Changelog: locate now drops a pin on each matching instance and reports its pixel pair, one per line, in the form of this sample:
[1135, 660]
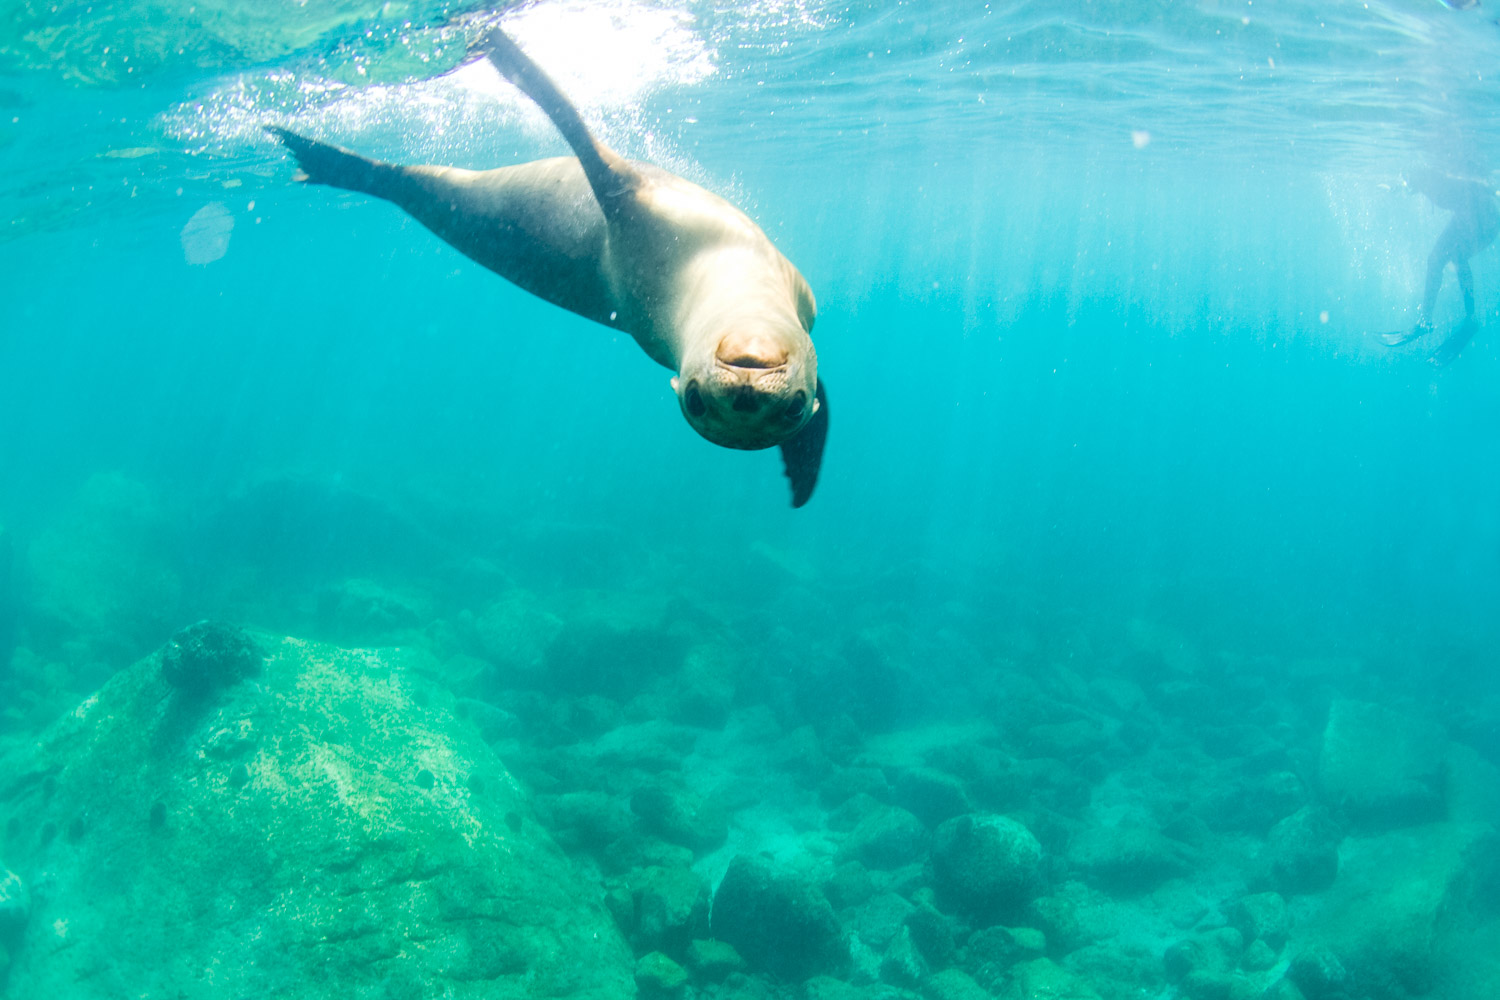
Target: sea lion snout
[751, 387]
[752, 350]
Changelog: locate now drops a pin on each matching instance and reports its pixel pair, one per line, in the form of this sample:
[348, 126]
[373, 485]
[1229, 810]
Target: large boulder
[1403, 917]
[778, 920]
[1384, 768]
[316, 833]
[985, 864]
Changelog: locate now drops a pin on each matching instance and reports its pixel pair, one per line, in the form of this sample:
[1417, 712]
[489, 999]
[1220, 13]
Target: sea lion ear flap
[803, 453]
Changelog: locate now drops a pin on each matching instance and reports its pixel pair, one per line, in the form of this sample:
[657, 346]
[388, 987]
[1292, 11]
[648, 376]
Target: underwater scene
[782, 500]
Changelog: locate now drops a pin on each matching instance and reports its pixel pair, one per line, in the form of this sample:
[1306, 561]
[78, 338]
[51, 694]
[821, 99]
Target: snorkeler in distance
[1474, 226]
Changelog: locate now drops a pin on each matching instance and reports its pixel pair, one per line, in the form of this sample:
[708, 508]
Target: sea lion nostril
[695, 404]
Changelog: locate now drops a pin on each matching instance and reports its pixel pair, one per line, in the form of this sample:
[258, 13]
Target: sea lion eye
[695, 404]
[799, 400]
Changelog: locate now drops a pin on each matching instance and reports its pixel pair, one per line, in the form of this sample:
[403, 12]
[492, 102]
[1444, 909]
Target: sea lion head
[754, 387]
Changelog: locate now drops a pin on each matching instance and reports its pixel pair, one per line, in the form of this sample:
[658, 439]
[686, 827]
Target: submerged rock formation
[312, 829]
[1385, 768]
[778, 920]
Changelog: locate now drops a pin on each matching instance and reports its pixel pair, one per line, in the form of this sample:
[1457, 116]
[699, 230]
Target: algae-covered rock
[1076, 915]
[658, 976]
[670, 908]
[953, 984]
[888, 837]
[929, 794]
[712, 960]
[829, 988]
[931, 931]
[680, 817]
[207, 657]
[360, 610]
[1261, 917]
[1217, 951]
[1384, 768]
[1396, 921]
[1043, 979]
[281, 841]
[902, 964]
[1258, 957]
[1121, 969]
[880, 919]
[990, 953]
[1128, 859]
[779, 921]
[1319, 974]
[986, 864]
[1302, 852]
[586, 820]
[15, 906]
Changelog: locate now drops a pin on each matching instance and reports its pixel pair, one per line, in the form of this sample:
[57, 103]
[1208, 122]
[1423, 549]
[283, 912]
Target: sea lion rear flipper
[1395, 338]
[609, 174]
[335, 167]
[803, 453]
[1456, 342]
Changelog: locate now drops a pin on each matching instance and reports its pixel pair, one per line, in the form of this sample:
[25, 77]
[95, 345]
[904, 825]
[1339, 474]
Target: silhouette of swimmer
[1473, 227]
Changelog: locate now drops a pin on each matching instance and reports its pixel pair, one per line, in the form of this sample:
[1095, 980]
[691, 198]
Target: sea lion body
[668, 269]
[698, 285]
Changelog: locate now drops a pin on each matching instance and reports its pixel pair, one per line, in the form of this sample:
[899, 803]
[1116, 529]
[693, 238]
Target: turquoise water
[1063, 365]
[1099, 286]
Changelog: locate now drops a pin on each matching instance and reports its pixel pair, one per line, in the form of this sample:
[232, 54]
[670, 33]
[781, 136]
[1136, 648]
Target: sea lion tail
[608, 173]
[335, 167]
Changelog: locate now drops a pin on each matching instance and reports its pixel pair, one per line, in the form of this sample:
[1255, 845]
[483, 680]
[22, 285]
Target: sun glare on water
[610, 54]
[606, 56]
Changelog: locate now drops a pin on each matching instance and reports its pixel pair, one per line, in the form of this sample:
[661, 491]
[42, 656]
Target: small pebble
[425, 778]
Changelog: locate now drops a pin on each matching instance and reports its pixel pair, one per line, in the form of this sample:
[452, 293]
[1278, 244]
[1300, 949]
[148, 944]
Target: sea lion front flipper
[1456, 342]
[609, 174]
[803, 453]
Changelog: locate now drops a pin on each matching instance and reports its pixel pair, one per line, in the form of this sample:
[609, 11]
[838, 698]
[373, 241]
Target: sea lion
[697, 284]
